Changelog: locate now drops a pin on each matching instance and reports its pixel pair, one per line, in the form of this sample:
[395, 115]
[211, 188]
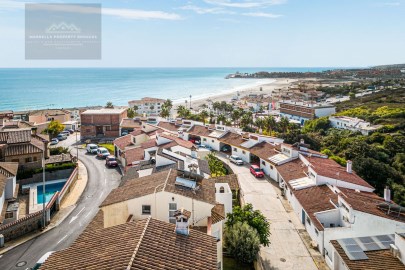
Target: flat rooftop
[105, 111]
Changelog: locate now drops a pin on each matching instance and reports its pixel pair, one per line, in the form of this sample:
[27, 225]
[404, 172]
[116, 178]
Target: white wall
[2, 198]
[400, 244]
[224, 198]
[212, 142]
[269, 169]
[239, 152]
[9, 188]
[320, 180]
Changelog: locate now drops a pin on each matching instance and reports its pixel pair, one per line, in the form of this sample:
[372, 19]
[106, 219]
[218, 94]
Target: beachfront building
[8, 191]
[353, 124]
[101, 123]
[302, 111]
[143, 244]
[72, 124]
[43, 116]
[147, 106]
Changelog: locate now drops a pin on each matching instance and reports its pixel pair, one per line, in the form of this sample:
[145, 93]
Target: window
[146, 210]
[35, 159]
[263, 163]
[308, 221]
[345, 207]
[205, 139]
[234, 149]
[28, 159]
[243, 152]
[9, 215]
[221, 190]
[133, 139]
[271, 167]
[332, 225]
[172, 209]
[212, 140]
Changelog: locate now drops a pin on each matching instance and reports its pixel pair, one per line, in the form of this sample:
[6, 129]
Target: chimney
[349, 166]
[387, 194]
[182, 217]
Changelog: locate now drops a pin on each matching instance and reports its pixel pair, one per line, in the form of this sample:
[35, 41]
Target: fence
[35, 221]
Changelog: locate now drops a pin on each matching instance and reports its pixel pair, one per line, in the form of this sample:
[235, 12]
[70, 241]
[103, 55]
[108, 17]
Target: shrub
[242, 242]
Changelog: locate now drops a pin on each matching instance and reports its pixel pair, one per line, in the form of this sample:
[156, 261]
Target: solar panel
[358, 256]
[353, 248]
[348, 241]
[185, 183]
[383, 238]
[366, 239]
[371, 247]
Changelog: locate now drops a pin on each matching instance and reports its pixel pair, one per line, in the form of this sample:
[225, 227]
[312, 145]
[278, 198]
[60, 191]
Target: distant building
[6, 115]
[42, 116]
[147, 106]
[353, 124]
[101, 123]
[302, 111]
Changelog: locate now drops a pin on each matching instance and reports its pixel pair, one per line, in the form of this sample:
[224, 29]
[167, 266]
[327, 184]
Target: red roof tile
[123, 141]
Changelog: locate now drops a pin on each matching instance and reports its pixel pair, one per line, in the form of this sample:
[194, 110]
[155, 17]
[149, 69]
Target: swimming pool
[50, 189]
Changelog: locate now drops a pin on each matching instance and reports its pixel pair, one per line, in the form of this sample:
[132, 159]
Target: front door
[99, 130]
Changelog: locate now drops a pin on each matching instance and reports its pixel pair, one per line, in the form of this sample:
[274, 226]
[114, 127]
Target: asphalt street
[101, 180]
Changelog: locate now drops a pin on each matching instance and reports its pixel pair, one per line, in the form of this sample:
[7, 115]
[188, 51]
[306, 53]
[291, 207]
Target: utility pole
[190, 102]
[43, 187]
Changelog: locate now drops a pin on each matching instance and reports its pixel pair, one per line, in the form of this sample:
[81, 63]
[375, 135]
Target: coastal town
[306, 172]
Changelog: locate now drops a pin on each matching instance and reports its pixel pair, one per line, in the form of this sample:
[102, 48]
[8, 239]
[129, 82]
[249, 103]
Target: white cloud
[263, 15]
[245, 3]
[133, 14]
[201, 10]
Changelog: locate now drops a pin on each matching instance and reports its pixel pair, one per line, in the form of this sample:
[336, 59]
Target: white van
[91, 148]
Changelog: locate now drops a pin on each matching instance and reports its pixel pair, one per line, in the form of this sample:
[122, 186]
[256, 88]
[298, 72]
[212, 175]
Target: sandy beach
[265, 89]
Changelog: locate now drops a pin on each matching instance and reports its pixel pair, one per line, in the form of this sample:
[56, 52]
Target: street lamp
[190, 102]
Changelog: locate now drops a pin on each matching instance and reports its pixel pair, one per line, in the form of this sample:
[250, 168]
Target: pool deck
[33, 198]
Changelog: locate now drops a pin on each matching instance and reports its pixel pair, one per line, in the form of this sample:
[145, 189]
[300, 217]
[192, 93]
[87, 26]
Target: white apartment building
[303, 111]
[353, 124]
[147, 106]
[8, 192]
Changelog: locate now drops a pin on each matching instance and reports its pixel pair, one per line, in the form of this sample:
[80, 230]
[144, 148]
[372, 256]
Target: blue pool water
[50, 189]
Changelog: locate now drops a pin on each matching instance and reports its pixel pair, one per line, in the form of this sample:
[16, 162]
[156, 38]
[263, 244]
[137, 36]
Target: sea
[23, 89]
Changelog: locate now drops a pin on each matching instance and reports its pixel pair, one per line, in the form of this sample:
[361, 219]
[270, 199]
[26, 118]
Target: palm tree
[165, 112]
[235, 115]
[259, 123]
[246, 120]
[167, 104]
[269, 124]
[130, 113]
[183, 112]
[109, 105]
[221, 118]
[203, 115]
[212, 116]
[283, 124]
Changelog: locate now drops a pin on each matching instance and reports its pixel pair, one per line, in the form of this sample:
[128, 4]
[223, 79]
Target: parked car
[102, 152]
[111, 161]
[205, 147]
[42, 260]
[124, 133]
[91, 148]
[54, 141]
[236, 160]
[226, 148]
[61, 137]
[71, 131]
[195, 141]
[256, 171]
[67, 133]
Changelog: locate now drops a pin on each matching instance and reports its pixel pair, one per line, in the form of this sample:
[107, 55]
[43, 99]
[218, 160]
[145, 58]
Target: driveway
[286, 251]
[101, 181]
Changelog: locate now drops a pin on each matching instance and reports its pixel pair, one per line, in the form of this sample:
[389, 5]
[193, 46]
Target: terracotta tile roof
[179, 141]
[292, 170]
[377, 260]
[316, 199]
[330, 168]
[233, 139]
[131, 123]
[148, 144]
[231, 180]
[144, 244]
[15, 136]
[203, 166]
[367, 202]
[217, 213]
[168, 126]
[137, 132]
[199, 131]
[7, 169]
[50, 112]
[263, 150]
[21, 149]
[165, 181]
[134, 154]
[123, 141]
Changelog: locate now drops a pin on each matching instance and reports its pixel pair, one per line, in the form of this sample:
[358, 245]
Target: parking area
[287, 250]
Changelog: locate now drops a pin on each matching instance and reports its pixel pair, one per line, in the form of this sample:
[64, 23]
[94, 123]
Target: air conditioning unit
[394, 250]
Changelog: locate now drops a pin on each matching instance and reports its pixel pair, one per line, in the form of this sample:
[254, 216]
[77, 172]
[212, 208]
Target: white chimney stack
[387, 194]
[182, 217]
[349, 166]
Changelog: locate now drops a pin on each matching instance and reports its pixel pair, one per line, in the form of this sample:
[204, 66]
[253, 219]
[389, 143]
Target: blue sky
[229, 33]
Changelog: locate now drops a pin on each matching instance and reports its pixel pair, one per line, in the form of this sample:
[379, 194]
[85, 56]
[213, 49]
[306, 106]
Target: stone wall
[22, 226]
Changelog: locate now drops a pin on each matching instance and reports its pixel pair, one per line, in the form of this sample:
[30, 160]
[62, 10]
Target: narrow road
[286, 250]
[101, 181]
